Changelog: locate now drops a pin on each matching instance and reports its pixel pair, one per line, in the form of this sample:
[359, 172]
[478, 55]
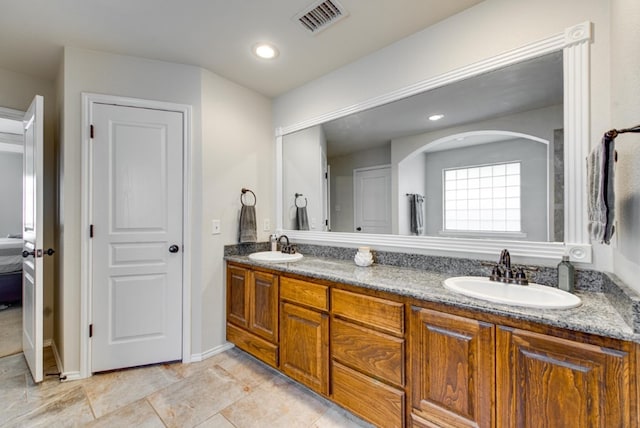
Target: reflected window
[483, 198]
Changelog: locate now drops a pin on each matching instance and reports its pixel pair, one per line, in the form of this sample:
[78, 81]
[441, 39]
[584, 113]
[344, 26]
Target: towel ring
[254, 197]
[296, 201]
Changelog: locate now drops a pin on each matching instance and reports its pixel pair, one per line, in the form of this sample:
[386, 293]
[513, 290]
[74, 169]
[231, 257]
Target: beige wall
[231, 147]
[304, 154]
[485, 30]
[237, 151]
[17, 92]
[625, 112]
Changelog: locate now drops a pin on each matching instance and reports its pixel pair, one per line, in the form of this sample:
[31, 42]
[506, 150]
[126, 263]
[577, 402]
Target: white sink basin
[531, 296]
[274, 257]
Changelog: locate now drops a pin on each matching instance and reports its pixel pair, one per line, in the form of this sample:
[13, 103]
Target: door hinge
[91, 131]
[326, 175]
[90, 330]
[326, 222]
[91, 231]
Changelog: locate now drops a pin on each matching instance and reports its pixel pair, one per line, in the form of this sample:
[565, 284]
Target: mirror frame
[575, 45]
[17, 115]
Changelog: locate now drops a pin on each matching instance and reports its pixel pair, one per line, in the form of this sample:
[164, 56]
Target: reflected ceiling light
[436, 117]
[265, 51]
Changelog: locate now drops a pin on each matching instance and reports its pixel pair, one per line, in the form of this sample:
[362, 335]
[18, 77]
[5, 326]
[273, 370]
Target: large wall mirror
[472, 161]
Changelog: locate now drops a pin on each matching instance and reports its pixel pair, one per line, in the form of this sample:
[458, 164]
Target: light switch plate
[215, 227]
[266, 225]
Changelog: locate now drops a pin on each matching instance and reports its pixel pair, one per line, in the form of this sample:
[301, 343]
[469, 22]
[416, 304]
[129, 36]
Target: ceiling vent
[321, 15]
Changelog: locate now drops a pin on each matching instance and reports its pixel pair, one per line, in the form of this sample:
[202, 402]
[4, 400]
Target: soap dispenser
[566, 275]
[273, 239]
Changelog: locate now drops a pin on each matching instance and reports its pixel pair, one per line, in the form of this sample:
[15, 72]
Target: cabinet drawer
[259, 348]
[372, 400]
[305, 293]
[379, 313]
[372, 352]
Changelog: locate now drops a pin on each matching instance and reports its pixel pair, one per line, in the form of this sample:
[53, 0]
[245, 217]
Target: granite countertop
[597, 314]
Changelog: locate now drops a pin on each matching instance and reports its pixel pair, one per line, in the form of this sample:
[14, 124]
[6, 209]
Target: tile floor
[10, 330]
[228, 390]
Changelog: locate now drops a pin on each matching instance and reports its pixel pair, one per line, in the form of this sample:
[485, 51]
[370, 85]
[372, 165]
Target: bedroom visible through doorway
[11, 159]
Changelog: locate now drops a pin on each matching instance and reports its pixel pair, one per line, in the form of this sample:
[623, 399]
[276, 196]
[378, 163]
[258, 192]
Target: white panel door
[136, 259]
[32, 234]
[372, 200]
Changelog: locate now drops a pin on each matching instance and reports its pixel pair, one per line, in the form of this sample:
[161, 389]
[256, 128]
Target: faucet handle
[496, 273]
[521, 277]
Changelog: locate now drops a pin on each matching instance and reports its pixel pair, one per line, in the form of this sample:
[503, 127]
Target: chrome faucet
[504, 273]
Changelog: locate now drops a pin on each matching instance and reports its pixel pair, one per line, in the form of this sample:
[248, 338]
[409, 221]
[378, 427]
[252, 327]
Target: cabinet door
[544, 381]
[304, 348]
[452, 364]
[237, 296]
[263, 314]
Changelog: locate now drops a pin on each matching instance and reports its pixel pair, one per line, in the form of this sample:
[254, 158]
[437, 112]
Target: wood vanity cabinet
[553, 382]
[252, 312]
[433, 366]
[468, 373]
[452, 365]
[304, 333]
[368, 357]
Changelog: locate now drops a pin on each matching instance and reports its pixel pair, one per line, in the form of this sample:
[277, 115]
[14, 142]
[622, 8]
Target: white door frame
[88, 100]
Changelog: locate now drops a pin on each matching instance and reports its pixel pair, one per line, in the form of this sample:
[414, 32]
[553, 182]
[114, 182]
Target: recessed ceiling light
[265, 51]
[436, 117]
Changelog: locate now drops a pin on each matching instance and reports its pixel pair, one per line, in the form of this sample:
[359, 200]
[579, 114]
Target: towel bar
[306, 202]
[612, 134]
[245, 190]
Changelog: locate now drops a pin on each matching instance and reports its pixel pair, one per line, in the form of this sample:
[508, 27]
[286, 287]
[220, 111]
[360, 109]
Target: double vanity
[397, 348]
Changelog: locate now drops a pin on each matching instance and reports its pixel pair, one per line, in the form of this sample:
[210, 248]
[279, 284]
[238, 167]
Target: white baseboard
[211, 352]
[69, 376]
[75, 375]
[64, 376]
[56, 355]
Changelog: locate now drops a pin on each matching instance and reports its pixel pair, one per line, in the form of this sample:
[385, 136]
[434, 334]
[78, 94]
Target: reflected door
[32, 234]
[136, 247]
[372, 199]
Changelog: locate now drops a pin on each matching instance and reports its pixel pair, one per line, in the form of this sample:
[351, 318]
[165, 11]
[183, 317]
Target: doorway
[11, 161]
[372, 199]
[137, 256]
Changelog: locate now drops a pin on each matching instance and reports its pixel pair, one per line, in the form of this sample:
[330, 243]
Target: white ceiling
[520, 87]
[213, 34]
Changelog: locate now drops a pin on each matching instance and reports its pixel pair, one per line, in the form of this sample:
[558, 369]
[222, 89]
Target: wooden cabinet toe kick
[256, 346]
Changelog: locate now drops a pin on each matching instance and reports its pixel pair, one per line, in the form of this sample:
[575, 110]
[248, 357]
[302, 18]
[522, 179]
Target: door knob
[50, 252]
[26, 253]
[174, 249]
[358, 228]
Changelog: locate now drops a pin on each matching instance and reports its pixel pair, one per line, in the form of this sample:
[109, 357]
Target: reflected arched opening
[492, 184]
